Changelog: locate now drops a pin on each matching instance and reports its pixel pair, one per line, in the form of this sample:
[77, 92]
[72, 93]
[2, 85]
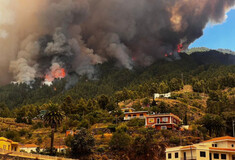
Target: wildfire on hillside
[56, 72]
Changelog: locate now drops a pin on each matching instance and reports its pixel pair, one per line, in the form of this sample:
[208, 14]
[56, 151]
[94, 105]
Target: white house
[29, 147]
[165, 95]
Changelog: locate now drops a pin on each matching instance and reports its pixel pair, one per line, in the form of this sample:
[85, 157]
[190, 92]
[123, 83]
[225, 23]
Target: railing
[129, 118]
[189, 158]
[30, 155]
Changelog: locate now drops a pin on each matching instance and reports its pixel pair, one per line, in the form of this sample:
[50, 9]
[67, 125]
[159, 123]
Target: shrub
[136, 122]
[112, 127]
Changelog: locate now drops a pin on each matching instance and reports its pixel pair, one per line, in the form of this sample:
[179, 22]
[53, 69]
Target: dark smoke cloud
[77, 34]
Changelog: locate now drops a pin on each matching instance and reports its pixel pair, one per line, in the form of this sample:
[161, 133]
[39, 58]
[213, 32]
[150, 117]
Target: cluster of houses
[222, 148]
[9, 145]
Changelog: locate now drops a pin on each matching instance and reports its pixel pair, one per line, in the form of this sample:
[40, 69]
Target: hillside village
[137, 117]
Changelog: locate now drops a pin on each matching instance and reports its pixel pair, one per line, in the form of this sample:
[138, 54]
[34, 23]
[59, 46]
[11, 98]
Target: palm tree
[53, 118]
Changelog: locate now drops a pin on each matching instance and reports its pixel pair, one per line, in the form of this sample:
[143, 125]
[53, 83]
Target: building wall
[162, 120]
[29, 149]
[5, 145]
[198, 152]
[181, 155]
[228, 156]
[230, 143]
[137, 115]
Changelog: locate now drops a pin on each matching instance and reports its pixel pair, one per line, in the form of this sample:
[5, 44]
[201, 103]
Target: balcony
[129, 118]
[189, 158]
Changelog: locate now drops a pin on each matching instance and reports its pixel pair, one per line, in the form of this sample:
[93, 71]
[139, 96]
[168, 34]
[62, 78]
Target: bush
[112, 127]
[13, 135]
[100, 149]
[37, 125]
[23, 132]
[175, 140]
[136, 122]
[120, 141]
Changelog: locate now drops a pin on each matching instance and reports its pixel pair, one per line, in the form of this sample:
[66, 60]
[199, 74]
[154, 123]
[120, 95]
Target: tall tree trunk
[52, 139]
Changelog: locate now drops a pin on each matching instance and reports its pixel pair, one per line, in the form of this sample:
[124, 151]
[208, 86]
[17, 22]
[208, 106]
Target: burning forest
[51, 39]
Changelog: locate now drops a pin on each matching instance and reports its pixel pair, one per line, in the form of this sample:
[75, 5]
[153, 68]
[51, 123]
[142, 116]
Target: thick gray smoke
[77, 34]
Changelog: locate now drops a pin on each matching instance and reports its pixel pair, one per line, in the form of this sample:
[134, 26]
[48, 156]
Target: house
[165, 95]
[136, 114]
[61, 148]
[222, 148]
[8, 144]
[128, 110]
[163, 121]
[29, 148]
[42, 114]
[71, 132]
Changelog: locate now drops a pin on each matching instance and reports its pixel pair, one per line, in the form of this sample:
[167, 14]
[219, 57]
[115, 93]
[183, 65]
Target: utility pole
[182, 77]
[233, 128]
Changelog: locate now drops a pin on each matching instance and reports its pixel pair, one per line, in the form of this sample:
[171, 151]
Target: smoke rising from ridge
[36, 36]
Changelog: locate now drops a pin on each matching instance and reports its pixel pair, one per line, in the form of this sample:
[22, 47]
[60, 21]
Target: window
[214, 145]
[158, 120]
[232, 145]
[216, 156]
[202, 154]
[169, 155]
[141, 115]
[165, 119]
[151, 120]
[176, 155]
[134, 115]
[129, 115]
[223, 156]
[163, 127]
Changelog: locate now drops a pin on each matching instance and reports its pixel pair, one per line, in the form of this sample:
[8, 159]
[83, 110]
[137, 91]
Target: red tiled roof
[162, 115]
[220, 138]
[29, 146]
[60, 147]
[135, 112]
[188, 147]
[222, 149]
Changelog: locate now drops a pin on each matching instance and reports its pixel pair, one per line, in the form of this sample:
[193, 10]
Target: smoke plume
[54, 38]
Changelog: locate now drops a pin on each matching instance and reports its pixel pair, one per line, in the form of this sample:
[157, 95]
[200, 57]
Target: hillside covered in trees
[203, 95]
[203, 70]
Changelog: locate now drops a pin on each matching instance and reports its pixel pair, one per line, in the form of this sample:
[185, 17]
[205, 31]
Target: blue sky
[219, 36]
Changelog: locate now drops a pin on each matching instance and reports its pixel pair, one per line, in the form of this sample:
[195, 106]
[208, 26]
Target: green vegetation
[203, 96]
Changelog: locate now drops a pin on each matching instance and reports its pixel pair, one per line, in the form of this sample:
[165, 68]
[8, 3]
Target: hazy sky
[219, 36]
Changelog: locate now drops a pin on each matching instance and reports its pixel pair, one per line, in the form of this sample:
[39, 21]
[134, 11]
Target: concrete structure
[163, 121]
[136, 114]
[29, 148]
[222, 148]
[8, 144]
[165, 95]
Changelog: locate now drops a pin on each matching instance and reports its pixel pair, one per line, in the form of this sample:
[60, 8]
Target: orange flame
[57, 73]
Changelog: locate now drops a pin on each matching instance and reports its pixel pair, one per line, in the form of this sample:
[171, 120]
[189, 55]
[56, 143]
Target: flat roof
[135, 112]
[163, 115]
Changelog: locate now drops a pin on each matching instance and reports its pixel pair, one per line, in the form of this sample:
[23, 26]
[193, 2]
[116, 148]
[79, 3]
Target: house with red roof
[29, 148]
[163, 121]
[221, 148]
